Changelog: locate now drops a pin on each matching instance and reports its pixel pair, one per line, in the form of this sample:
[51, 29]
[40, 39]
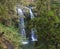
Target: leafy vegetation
[11, 34]
[46, 22]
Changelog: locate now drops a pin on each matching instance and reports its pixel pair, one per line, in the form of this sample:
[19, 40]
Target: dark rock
[1, 34]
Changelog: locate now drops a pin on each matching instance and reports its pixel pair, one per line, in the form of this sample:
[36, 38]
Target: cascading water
[31, 14]
[33, 36]
[22, 26]
[27, 44]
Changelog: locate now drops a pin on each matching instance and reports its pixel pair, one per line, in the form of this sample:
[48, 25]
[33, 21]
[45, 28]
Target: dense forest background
[46, 22]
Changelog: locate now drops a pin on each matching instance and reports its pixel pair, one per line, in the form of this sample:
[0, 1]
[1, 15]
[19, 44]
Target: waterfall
[33, 35]
[22, 26]
[31, 14]
[20, 12]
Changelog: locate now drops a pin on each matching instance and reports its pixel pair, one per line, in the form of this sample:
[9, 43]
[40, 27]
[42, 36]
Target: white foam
[25, 42]
[33, 39]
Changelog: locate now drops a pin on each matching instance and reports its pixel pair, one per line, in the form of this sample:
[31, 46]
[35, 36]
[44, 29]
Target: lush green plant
[47, 24]
[11, 34]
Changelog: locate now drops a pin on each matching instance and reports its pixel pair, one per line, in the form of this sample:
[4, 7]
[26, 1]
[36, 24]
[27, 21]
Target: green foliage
[27, 3]
[11, 34]
[47, 31]
[7, 12]
[50, 13]
[47, 24]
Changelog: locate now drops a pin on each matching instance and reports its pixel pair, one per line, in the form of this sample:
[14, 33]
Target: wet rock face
[26, 12]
